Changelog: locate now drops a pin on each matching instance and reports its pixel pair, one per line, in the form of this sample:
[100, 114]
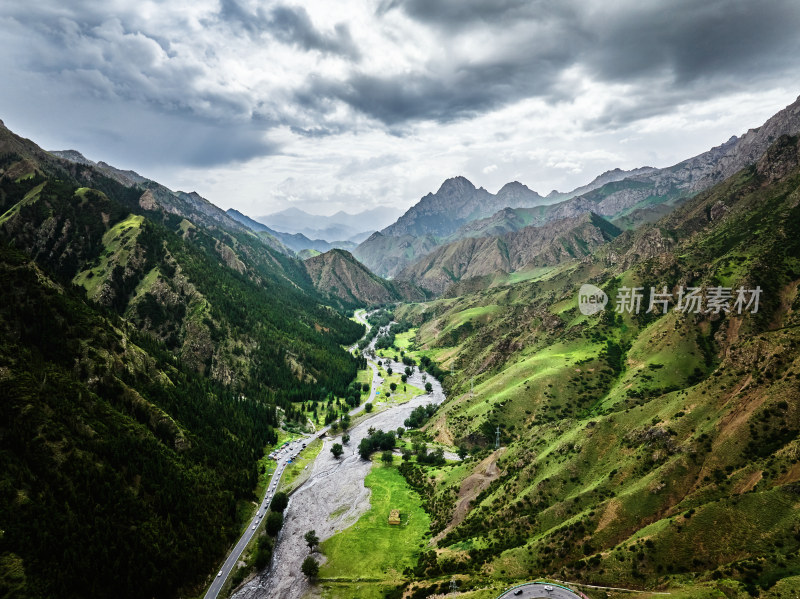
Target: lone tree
[389, 371]
[337, 450]
[274, 523]
[428, 388]
[393, 386]
[367, 407]
[312, 540]
[345, 439]
[279, 502]
[263, 552]
[365, 387]
[387, 457]
[463, 452]
[310, 567]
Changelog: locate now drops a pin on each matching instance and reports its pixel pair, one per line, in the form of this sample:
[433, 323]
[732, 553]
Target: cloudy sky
[351, 104]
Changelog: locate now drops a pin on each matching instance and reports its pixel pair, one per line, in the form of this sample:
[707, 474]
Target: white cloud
[348, 106]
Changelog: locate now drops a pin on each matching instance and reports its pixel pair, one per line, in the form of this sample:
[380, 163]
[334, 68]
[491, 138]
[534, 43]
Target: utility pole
[497, 439]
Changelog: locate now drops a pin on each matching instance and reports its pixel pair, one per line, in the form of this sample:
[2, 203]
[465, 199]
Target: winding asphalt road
[332, 498]
[285, 454]
[332, 482]
[531, 590]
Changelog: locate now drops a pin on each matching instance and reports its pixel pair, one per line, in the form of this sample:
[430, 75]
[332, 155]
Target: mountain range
[523, 249]
[152, 345]
[339, 226]
[296, 242]
[150, 348]
[650, 449]
[627, 198]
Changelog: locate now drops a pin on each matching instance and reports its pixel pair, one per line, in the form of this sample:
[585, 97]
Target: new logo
[591, 299]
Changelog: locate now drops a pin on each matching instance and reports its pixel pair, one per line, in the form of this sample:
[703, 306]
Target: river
[333, 497]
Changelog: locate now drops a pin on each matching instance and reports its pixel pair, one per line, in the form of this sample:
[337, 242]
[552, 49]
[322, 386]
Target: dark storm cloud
[127, 94]
[447, 91]
[457, 14]
[683, 51]
[693, 40]
[166, 71]
[291, 25]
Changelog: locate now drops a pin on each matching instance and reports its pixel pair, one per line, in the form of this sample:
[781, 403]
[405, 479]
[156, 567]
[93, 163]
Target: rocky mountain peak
[515, 187]
[516, 191]
[73, 156]
[455, 185]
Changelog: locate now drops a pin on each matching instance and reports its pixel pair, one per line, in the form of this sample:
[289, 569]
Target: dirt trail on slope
[482, 476]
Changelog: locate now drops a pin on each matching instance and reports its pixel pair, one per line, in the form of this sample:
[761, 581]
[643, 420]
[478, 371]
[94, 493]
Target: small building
[394, 517]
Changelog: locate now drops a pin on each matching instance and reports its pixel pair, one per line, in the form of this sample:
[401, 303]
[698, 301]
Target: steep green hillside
[226, 304]
[638, 450]
[344, 280]
[145, 358]
[522, 250]
[117, 478]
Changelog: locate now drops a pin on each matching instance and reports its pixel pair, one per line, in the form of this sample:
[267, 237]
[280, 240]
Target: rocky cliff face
[685, 178]
[436, 217]
[442, 212]
[517, 195]
[616, 174]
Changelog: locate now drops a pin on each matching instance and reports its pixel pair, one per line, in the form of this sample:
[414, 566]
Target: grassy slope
[617, 426]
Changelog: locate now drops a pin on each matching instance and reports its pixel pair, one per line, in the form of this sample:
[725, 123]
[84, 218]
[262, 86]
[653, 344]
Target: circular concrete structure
[531, 590]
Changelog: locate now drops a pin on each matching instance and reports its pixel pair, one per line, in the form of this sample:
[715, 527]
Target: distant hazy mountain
[616, 174]
[439, 214]
[386, 255]
[297, 242]
[340, 226]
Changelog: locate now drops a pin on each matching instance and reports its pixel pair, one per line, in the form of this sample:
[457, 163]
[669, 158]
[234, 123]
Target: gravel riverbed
[332, 498]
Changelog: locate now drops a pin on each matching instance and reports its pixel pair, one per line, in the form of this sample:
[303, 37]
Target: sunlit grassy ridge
[641, 450]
